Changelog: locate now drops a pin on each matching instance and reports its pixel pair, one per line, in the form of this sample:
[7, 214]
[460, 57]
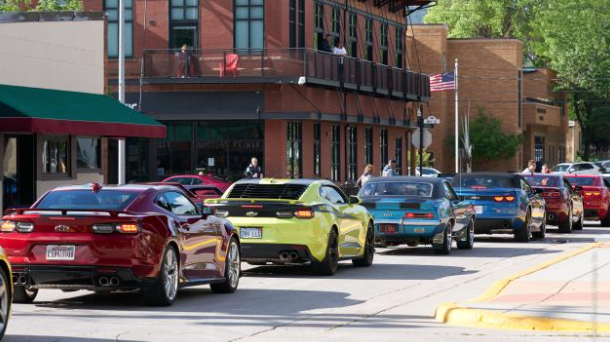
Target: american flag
[442, 82]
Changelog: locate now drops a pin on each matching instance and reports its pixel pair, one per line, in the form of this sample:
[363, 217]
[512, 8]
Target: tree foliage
[41, 6]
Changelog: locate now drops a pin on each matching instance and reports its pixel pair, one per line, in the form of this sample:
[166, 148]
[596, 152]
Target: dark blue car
[418, 210]
[504, 203]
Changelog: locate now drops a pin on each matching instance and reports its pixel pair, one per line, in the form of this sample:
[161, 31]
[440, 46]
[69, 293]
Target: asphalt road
[394, 300]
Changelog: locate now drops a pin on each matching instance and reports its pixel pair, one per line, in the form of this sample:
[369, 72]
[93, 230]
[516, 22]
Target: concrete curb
[451, 313]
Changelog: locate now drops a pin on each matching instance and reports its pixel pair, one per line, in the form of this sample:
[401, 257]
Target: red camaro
[596, 196]
[147, 237]
[200, 180]
[564, 204]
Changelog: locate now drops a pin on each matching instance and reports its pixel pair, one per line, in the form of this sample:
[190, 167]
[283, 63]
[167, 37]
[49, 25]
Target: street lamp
[420, 124]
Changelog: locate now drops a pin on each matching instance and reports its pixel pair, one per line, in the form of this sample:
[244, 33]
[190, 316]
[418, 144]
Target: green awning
[45, 111]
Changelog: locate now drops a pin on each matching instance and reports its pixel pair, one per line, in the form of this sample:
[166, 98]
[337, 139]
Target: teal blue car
[418, 210]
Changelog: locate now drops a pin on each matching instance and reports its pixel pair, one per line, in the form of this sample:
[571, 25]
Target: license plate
[60, 252]
[388, 228]
[251, 233]
[478, 209]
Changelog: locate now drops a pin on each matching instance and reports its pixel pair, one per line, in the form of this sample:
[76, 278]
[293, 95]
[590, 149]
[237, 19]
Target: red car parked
[564, 204]
[594, 190]
[147, 237]
[200, 180]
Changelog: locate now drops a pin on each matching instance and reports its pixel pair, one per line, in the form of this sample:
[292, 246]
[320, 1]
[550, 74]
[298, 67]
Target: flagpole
[457, 131]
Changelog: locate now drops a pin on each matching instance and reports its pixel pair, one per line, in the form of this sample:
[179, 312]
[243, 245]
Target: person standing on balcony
[339, 50]
[254, 170]
[184, 60]
[326, 45]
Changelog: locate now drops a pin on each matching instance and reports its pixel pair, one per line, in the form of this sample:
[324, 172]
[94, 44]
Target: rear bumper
[595, 211]
[413, 231]
[78, 277]
[556, 213]
[497, 224]
[272, 252]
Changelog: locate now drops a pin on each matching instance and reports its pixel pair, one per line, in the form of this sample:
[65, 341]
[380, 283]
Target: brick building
[254, 82]
[492, 76]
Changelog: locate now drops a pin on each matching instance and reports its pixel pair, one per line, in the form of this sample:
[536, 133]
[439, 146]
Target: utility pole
[420, 122]
[121, 141]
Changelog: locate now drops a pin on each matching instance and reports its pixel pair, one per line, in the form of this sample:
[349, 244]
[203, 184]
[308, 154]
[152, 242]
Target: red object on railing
[230, 65]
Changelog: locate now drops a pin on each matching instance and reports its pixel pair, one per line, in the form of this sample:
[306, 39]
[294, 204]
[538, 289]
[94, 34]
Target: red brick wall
[275, 149]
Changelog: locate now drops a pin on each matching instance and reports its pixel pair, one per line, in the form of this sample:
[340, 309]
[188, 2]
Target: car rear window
[483, 182]
[267, 191]
[87, 199]
[548, 181]
[419, 189]
[590, 181]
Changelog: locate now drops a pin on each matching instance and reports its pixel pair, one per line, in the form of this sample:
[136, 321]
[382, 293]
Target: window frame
[368, 145]
[399, 48]
[99, 155]
[317, 149]
[70, 160]
[183, 23]
[352, 30]
[369, 39]
[197, 211]
[351, 146]
[384, 36]
[249, 20]
[294, 149]
[292, 23]
[128, 26]
[335, 160]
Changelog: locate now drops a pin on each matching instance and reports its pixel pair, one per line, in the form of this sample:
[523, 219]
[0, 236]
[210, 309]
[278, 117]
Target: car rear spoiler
[64, 212]
[242, 201]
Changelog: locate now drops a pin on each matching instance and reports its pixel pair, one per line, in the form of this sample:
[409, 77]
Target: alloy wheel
[4, 302]
[233, 264]
[170, 273]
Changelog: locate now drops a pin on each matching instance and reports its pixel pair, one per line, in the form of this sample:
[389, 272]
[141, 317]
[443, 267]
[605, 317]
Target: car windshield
[482, 182]
[560, 168]
[397, 189]
[539, 180]
[87, 199]
[582, 180]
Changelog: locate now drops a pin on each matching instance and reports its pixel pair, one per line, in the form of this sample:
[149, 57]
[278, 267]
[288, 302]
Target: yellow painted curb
[454, 314]
[451, 313]
[501, 284]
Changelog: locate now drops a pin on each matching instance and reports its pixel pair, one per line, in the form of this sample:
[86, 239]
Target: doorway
[19, 183]
[183, 35]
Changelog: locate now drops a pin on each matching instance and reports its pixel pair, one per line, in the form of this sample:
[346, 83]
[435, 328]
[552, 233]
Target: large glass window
[292, 22]
[138, 150]
[301, 25]
[352, 45]
[368, 30]
[174, 152]
[249, 24]
[351, 133]
[399, 50]
[336, 24]
[56, 155]
[539, 150]
[398, 153]
[368, 145]
[293, 149]
[111, 7]
[335, 162]
[317, 149]
[318, 26]
[383, 143]
[184, 21]
[88, 153]
[383, 44]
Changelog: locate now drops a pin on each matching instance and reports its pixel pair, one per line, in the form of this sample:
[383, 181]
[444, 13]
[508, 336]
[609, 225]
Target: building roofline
[21, 17]
[482, 39]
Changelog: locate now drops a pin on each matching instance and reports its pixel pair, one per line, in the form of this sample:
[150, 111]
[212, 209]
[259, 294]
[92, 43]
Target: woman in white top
[366, 175]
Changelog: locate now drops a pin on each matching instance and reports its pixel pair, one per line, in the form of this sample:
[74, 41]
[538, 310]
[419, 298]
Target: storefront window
[351, 134]
[335, 173]
[56, 155]
[317, 149]
[137, 159]
[174, 152]
[88, 153]
[398, 157]
[293, 149]
[368, 145]
[383, 139]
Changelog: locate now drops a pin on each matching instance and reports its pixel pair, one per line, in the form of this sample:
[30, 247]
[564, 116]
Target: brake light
[594, 193]
[128, 228]
[304, 213]
[509, 198]
[252, 206]
[419, 215]
[11, 226]
[498, 198]
[504, 198]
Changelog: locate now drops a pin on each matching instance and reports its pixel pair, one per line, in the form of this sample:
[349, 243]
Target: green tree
[42, 6]
[14, 5]
[488, 139]
[489, 19]
[574, 35]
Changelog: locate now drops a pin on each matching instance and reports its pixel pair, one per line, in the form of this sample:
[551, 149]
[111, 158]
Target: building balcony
[283, 66]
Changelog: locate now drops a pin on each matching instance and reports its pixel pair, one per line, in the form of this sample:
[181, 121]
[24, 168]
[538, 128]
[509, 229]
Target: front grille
[268, 191]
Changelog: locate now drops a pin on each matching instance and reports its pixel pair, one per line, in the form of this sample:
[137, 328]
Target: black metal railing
[269, 64]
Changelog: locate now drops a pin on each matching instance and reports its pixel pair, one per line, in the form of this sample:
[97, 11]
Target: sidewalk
[569, 293]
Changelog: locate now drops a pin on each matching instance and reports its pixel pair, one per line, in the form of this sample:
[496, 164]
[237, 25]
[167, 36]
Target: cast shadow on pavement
[36, 338]
[479, 251]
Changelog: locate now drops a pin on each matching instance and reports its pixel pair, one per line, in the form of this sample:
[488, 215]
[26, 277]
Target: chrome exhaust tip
[114, 281]
[104, 281]
[285, 257]
[22, 280]
[294, 255]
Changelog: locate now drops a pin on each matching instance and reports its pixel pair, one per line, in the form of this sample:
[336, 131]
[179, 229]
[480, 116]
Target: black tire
[525, 233]
[165, 289]
[469, 243]
[581, 222]
[5, 301]
[23, 295]
[232, 270]
[445, 247]
[566, 227]
[329, 265]
[542, 233]
[369, 249]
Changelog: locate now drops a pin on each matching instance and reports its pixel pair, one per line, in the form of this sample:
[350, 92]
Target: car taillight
[419, 215]
[128, 228]
[109, 228]
[11, 226]
[304, 213]
[551, 194]
[504, 198]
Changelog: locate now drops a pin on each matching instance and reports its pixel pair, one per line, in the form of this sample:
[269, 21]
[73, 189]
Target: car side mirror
[354, 200]
[205, 210]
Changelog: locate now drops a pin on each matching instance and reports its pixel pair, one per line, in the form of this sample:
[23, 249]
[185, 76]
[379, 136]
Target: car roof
[272, 181]
[407, 178]
[126, 187]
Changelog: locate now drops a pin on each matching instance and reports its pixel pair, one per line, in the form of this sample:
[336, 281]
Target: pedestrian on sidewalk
[546, 168]
[390, 169]
[531, 167]
[254, 170]
[366, 176]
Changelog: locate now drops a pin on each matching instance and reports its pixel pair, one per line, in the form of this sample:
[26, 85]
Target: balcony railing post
[306, 61]
[224, 63]
[262, 62]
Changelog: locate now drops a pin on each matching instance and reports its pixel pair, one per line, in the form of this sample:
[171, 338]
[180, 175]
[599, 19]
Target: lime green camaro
[298, 221]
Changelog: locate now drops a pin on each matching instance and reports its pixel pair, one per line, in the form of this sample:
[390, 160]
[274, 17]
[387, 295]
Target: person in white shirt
[340, 51]
[531, 168]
